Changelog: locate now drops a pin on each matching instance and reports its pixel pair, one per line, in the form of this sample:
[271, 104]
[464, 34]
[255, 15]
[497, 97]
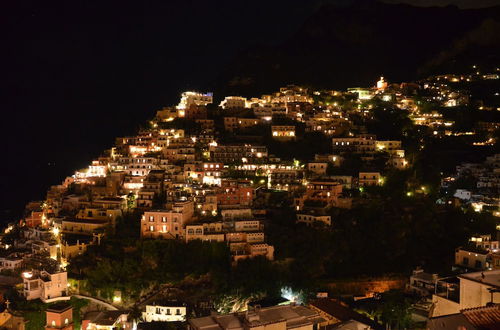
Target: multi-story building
[364, 144]
[234, 123]
[369, 179]
[422, 283]
[266, 111]
[193, 98]
[167, 224]
[328, 125]
[283, 132]
[83, 226]
[286, 178]
[234, 193]
[165, 311]
[391, 147]
[179, 153]
[310, 218]
[237, 153]
[195, 112]
[469, 290]
[245, 238]
[10, 263]
[324, 191]
[473, 258]
[318, 168]
[233, 102]
[44, 285]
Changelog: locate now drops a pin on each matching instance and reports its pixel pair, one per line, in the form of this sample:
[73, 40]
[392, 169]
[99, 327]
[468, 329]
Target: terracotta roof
[484, 317]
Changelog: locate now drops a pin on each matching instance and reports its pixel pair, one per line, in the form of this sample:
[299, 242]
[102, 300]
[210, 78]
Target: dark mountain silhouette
[338, 47]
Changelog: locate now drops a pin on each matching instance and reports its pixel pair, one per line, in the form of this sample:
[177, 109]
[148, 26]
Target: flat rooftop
[489, 277]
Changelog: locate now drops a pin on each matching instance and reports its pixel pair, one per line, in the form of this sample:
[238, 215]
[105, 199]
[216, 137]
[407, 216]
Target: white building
[472, 290]
[45, 286]
[193, 98]
[165, 312]
[462, 194]
[309, 219]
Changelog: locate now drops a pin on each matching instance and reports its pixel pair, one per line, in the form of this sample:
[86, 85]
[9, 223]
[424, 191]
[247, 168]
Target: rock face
[344, 46]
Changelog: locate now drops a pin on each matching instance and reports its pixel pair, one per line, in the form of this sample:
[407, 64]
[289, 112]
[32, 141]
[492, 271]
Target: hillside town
[369, 208]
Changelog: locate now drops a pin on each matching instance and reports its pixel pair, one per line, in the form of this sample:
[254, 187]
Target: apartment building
[366, 179]
[167, 224]
[237, 153]
[233, 102]
[234, 193]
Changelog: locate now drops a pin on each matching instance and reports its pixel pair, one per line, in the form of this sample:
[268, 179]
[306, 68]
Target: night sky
[79, 73]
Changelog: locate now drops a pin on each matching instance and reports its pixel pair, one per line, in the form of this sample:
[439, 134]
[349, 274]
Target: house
[10, 263]
[276, 318]
[59, 316]
[468, 290]
[471, 257]
[422, 283]
[74, 245]
[45, 286]
[165, 311]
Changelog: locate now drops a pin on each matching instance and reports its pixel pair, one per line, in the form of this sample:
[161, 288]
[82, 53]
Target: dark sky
[76, 74]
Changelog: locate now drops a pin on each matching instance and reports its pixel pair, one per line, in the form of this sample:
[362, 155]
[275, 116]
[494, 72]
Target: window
[478, 264]
[151, 218]
[66, 321]
[158, 310]
[151, 228]
[168, 311]
[53, 323]
[163, 219]
[178, 312]
[465, 261]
